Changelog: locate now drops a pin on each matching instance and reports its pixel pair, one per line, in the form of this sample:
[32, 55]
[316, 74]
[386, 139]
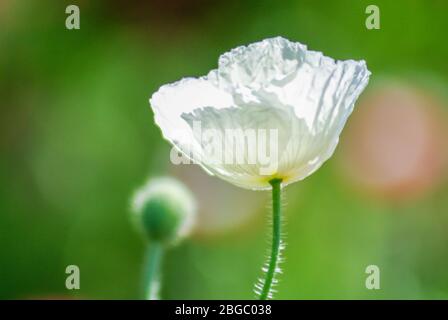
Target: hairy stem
[152, 271]
[276, 241]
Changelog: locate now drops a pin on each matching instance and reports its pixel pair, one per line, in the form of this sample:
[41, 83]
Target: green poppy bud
[164, 210]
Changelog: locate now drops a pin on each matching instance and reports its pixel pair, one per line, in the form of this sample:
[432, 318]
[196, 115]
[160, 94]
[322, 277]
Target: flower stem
[152, 271]
[276, 241]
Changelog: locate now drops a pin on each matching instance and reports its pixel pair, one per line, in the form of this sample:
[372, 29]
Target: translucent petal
[186, 95]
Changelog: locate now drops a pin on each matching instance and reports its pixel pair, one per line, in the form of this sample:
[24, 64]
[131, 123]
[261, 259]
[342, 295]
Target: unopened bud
[165, 210]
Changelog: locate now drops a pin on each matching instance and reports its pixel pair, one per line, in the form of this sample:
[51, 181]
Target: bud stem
[152, 271]
[276, 241]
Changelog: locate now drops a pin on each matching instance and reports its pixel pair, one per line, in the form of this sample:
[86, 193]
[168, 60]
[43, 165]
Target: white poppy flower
[274, 84]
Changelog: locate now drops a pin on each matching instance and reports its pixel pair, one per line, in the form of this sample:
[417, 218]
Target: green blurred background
[77, 138]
